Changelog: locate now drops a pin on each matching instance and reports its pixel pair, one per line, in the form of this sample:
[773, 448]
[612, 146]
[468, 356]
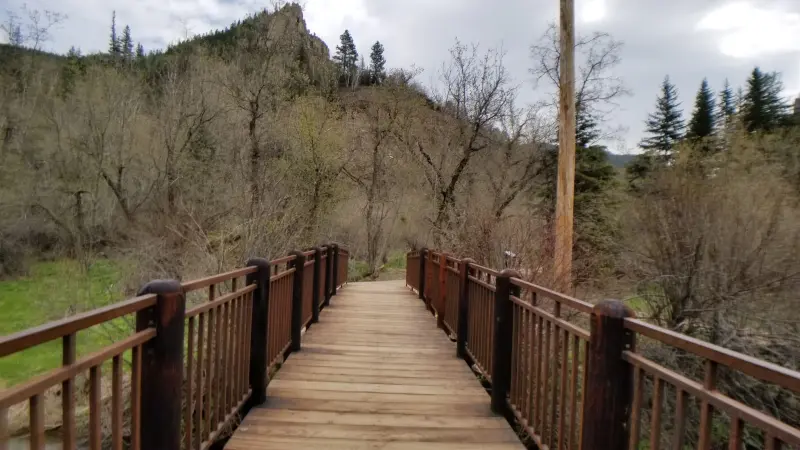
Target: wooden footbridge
[284, 354]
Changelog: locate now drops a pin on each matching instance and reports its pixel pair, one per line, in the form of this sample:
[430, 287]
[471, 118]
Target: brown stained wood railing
[569, 372]
[34, 390]
[714, 405]
[237, 328]
[216, 356]
[279, 325]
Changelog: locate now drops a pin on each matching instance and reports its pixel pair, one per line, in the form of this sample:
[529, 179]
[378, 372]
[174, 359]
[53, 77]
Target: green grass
[54, 290]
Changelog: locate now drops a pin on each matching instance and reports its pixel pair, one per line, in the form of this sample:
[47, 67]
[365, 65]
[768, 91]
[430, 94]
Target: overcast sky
[685, 39]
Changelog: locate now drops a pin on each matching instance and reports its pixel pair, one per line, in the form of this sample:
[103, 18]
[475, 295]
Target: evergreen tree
[127, 44]
[665, 126]
[702, 123]
[347, 58]
[727, 107]
[587, 130]
[139, 51]
[377, 63]
[114, 44]
[763, 109]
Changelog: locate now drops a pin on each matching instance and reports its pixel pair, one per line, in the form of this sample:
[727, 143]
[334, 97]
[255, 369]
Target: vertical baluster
[706, 409]
[187, 404]
[4, 434]
[546, 380]
[219, 370]
[515, 344]
[636, 408]
[95, 413]
[68, 441]
[554, 382]
[36, 404]
[573, 392]
[562, 403]
[735, 435]
[210, 373]
[655, 418]
[116, 403]
[136, 397]
[198, 403]
[537, 408]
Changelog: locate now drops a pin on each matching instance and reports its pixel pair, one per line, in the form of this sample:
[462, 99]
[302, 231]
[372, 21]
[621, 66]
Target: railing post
[463, 307]
[502, 340]
[315, 300]
[328, 274]
[162, 366]
[335, 269]
[297, 299]
[422, 256]
[258, 331]
[608, 403]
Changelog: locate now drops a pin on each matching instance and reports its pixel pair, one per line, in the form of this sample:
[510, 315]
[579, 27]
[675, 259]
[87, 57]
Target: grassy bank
[51, 291]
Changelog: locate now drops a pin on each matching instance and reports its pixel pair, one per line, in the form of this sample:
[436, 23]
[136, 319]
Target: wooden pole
[565, 190]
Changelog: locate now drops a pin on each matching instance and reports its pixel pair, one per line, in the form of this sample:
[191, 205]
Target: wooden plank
[379, 371]
[358, 379]
[378, 388]
[477, 409]
[290, 443]
[374, 433]
[263, 416]
[375, 396]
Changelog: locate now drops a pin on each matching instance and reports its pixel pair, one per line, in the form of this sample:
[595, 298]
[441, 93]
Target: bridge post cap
[467, 260]
[509, 273]
[261, 263]
[614, 309]
[160, 287]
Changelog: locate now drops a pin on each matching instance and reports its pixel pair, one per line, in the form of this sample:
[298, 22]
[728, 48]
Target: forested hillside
[259, 139]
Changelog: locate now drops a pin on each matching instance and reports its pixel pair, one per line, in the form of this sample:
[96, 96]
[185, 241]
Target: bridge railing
[569, 373]
[191, 371]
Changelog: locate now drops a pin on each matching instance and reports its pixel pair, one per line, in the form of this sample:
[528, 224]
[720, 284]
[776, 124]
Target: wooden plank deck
[374, 373]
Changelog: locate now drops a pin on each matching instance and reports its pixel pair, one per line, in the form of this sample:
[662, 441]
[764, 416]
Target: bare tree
[377, 171]
[476, 92]
[598, 87]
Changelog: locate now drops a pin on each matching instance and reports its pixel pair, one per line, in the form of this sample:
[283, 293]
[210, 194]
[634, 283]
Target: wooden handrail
[554, 352]
[214, 338]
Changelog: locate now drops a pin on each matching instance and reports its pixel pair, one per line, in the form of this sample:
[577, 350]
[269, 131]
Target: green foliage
[377, 64]
[587, 131]
[702, 123]
[665, 126]
[126, 45]
[763, 109]
[114, 47]
[54, 290]
[346, 58]
[726, 108]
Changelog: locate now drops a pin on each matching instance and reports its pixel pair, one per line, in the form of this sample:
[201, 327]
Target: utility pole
[565, 190]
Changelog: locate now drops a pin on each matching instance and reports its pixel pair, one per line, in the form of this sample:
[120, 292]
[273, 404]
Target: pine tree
[665, 126]
[377, 63]
[127, 44]
[113, 45]
[702, 123]
[727, 107]
[347, 58]
[763, 109]
[139, 51]
[587, 130]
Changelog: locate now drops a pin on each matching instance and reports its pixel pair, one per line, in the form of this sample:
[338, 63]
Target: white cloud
[747, 31]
